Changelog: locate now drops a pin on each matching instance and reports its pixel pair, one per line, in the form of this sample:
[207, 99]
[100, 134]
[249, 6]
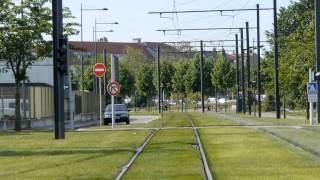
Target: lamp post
[81, 25]
[95, 31]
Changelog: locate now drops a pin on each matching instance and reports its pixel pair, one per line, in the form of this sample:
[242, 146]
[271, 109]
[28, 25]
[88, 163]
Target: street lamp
[95, 31]
[82, 9]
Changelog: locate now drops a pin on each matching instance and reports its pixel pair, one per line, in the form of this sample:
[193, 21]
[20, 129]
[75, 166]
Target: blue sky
[135, 22]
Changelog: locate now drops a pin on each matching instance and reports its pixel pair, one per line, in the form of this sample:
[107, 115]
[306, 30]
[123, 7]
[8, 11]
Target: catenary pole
[201, 72]
[237, 74]
[248, 68]
[243, 74]
[58, 75]
[317, 6]
[276, 59]
[158, 79]
[259, 60]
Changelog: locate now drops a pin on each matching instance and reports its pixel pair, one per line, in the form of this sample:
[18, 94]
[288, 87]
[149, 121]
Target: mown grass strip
[172, 154]
[241, 153]
[86, 155]
[250, 120]
[138, 152]
[303, 138]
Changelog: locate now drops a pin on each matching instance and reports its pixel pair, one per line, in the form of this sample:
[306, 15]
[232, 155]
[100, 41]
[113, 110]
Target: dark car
[121, 114]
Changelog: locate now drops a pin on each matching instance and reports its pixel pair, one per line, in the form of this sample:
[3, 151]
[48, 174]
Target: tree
[223, 75]
[296, 39]
[144, 81]
[126, 78]
[166, 74]
[22, 39]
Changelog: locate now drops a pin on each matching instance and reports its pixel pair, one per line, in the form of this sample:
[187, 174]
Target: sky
[135, 22]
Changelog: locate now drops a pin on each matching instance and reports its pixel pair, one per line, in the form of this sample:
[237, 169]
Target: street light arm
[103, 9]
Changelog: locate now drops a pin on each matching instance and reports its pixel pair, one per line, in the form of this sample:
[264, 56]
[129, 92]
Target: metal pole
[311, 103]
[284, 107]
[248, 69]
[201, 72]
[105, 78]
[112, 97]
[242, 75]
[317, 5]
[158, 80]
[100, 97]
[259, 59]
[93, 78]
[58, 76]
[276, 60]
[238, 76]
[82, 68]
[95, 50]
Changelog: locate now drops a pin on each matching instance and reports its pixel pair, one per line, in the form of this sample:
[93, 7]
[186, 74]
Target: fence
[37, 106]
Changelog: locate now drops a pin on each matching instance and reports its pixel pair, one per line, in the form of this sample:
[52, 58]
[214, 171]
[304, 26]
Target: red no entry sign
[99, 70]
[113, 88]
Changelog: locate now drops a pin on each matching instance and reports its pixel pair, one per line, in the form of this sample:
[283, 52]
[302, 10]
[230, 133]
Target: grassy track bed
[207, 119]
[250, 120]
[243, 153]
[171, 154]
[89, 155]
[305, 138]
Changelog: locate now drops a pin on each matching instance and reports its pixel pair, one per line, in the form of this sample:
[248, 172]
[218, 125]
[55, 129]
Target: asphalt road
[142, 119]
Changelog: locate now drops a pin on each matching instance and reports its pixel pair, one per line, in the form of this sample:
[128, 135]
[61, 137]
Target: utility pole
[201, 72]
[259, 60]
[276, 59]
[238, 76]
[242, 74]
[60, 67]
[158, 80]
[317, 6]
[105, 78]
[248, 68]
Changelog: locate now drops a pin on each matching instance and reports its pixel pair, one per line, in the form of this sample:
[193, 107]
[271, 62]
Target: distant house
[116, 48]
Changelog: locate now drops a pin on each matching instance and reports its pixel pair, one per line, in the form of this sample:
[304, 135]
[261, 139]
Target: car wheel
[127, 121]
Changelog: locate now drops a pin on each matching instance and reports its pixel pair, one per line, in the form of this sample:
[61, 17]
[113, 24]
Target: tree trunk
[17, 125]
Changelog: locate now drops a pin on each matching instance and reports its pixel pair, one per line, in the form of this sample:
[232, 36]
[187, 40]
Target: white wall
[39, 72]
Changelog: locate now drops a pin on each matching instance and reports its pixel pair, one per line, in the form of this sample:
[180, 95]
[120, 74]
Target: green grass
[200, 119]
[250, 120]
[94, 155]
[170, 119]
[240, 153]
[307, 138]
[170, 155]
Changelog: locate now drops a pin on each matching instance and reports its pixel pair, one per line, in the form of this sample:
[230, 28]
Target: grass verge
[90, 155]
[240, 153]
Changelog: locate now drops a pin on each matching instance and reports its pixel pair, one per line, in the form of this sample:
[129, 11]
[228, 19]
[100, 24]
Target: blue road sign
[312, 92]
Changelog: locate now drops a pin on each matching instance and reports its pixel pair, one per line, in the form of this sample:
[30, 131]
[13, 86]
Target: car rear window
[117, 108]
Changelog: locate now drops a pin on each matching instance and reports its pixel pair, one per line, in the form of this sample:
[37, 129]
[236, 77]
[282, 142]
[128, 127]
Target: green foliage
[144, 80]
[179, 77]
[127, 79]
[296, 39]
[166, 74]
[223, 76]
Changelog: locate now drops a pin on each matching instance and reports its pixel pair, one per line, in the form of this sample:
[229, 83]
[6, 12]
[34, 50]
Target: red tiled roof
[110, 47]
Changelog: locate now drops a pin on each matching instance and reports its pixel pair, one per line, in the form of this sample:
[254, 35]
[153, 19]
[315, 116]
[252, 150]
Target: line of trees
[297, 55]
[179, 78]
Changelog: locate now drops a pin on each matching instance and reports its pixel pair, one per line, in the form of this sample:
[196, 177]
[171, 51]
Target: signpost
[99, 71]
[113, 87]
[312, 95]
[114, 90]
